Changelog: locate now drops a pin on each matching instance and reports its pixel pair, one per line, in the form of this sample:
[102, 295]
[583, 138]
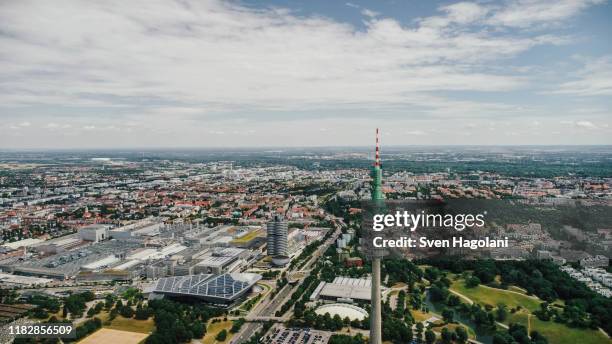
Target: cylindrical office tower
[277, 240]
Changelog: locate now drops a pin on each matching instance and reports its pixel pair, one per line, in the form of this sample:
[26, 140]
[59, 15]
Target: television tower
[378, 199]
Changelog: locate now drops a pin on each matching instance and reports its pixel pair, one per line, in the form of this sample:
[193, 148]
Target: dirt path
[604, 332]
[528, 323]
[469, 301]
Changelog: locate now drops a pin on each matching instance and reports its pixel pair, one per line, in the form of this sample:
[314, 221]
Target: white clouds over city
[170, 65]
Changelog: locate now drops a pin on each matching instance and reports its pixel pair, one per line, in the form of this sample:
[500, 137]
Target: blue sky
[304, 73]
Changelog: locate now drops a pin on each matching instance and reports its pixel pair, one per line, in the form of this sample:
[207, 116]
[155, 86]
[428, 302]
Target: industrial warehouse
[152, 249]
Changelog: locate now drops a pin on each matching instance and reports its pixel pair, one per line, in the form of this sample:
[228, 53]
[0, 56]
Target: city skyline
[299, 74]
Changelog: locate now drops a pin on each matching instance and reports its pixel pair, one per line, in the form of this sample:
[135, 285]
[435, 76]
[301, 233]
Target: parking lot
[281, 335]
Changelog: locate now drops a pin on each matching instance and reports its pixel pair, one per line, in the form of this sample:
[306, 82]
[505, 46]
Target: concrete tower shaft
[377, 197]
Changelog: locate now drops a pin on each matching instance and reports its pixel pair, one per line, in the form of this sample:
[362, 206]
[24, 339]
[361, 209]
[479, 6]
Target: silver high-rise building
[277, 241]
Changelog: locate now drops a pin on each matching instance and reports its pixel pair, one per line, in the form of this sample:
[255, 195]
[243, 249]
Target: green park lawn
[555, 333]
[214, 328]
[491, 296]
[561, 334]
[519, 317]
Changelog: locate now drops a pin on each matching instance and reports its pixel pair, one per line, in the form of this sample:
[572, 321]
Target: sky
[120, 74]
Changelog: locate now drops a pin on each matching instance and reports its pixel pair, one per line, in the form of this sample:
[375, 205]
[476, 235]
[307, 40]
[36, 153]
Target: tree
[197, 329]
[453, 300]
[126, 312]
[472, 282]
[537, 338]
[143, 313]
[112, 314]
[447, 315]
[430, 337]
[462, 335]
[499, 338]
[221, 336]
[519, 333]
[419, 329]
[337, 322]
[98, 307]
[501, 313]
[40, 313]
[236, 325]
[438, 294]
[109, 301]
[446, 335]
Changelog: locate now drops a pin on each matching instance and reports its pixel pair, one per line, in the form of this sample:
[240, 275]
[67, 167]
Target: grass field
[105, 336]
[520, 317]
[133, 325]
[560, 334]
[214, 328]
[419, 316]
[491, 296]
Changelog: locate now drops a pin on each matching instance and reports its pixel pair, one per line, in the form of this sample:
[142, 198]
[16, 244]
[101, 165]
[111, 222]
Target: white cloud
[369, 13]
[201, 54]
[529, 13]
[416, 133]
[586, 125]
[594, 79]
[458, 13]
[164, 70]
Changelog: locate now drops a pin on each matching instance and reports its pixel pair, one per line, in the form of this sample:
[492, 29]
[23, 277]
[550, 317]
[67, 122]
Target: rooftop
[223, 288]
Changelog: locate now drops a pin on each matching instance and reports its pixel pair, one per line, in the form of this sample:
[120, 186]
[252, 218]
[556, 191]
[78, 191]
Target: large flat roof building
[222, 289]
[344, 289]
[95, 233]
[219, 260]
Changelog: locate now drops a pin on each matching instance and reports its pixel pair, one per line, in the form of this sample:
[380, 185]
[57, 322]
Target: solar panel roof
[226, 286]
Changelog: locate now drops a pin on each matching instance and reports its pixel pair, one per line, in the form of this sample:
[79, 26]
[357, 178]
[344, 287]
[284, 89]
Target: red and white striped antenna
[377, 159]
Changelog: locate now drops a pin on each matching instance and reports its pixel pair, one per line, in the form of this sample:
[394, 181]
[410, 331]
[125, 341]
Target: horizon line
[40, 149]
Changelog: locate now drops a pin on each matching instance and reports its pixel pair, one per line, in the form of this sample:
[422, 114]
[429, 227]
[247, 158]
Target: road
[267, 308]
[247, 331]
